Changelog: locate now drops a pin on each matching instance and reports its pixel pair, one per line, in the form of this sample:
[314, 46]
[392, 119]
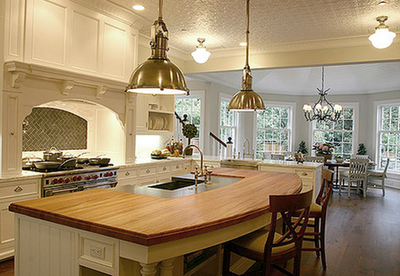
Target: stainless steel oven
[62, 182]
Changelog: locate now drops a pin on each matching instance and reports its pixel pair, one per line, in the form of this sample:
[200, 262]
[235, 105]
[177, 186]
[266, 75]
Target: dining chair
[314, 159]
[277, 156]
[269, 247]
[357, 173]
[317, 217]
[378, 175]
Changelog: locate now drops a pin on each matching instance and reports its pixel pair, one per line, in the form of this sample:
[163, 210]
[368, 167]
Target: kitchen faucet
[244, 153]
[203, 169]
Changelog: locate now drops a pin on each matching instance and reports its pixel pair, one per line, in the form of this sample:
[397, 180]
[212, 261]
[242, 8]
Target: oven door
[71, 188]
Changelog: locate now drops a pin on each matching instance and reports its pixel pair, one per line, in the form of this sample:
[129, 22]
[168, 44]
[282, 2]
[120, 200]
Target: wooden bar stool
[269, 247]
[318, 216]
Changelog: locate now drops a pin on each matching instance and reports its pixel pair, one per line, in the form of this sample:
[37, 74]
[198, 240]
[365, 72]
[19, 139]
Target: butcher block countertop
[150, 220]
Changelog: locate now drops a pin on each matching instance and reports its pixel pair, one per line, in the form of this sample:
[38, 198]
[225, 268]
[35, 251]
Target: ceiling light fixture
[243, 44]
[138, 7]
[382, 38]
[246, 99]
[201, 54]
[158, 75]
[322, 109]
[382, 3]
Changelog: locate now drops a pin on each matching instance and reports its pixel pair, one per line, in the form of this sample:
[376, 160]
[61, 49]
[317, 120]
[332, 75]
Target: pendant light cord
[247, 32]
[160, 6]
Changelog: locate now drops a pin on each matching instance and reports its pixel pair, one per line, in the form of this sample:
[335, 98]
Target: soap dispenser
[229, 148]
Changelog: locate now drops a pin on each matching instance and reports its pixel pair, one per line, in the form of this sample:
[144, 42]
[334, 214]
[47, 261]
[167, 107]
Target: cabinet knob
[147, 171]
[127, 174]
[18, 189]
[164, 169]
[304, 173]
[177, 166]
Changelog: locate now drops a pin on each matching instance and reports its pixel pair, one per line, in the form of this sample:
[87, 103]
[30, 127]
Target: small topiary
[362, 150]
[302, 148]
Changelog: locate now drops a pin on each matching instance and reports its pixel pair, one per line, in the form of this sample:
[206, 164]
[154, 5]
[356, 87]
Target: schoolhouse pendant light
[246, 99]
[201, 54]
[382, 38]
[158, 75]
[322, 110]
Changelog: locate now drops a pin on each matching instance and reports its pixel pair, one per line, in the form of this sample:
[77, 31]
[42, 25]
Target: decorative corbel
[17, 78]
[67, 86]
[130, 97]
[100, 91]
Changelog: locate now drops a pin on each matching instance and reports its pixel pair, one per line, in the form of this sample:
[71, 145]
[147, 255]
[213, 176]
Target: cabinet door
[142, 108]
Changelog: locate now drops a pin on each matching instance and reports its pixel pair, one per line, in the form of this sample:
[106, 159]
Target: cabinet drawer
[307, 185]
[177, 167]
[128, 173]
[164, 168]
[98, 250]
[146, 171]
[275, 169]
[305, 174]
[19, 188]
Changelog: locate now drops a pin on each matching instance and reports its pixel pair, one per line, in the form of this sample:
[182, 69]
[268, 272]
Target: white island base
[46, 248]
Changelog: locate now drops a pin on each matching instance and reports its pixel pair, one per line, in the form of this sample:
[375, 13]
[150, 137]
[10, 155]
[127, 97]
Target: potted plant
[302, 148]
[362, 150]
[189, 131]
[324, 150]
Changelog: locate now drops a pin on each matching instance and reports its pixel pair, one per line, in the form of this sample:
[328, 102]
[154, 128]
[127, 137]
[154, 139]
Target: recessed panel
[85, 37]
[114, 51]
[49, 32]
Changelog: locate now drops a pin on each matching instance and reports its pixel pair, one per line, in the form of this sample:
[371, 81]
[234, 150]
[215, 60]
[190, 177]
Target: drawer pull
[177, 166]
[164, 169]
[127, 174]
[304, 173]
[147, 171]
[18, 189]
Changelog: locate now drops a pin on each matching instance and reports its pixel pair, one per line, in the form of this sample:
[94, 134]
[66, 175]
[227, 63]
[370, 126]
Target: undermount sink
[174, 184]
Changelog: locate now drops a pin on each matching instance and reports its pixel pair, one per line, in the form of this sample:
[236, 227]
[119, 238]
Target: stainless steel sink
[239, 164]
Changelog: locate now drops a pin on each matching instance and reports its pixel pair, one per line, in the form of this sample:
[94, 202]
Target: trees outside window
[340, 134]
[191, 106]
[274, 130]
[389, 136]
[227, 124]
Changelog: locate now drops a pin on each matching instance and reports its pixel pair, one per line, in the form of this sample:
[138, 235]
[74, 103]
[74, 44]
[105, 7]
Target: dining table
[334, 166]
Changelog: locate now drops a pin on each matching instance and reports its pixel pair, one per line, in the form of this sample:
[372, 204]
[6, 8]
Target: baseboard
[7, 254]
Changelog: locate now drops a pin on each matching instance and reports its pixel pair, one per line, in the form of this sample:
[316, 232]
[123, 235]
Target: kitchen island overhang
[150, 229]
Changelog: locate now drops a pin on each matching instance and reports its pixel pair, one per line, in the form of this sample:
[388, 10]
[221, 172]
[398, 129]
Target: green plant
[302, 148]
[362, 150]
[189, 131]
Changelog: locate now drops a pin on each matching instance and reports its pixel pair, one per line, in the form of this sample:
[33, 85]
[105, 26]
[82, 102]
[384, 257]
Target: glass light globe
[382, 38]
[201, 55]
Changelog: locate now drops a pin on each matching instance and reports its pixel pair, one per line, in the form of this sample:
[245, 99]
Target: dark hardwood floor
[363, 238]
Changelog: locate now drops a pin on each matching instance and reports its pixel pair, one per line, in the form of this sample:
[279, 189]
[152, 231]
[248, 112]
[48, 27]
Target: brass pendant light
[246, 99]
[158, 75]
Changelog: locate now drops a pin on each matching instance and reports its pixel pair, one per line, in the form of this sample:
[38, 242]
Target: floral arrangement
[326, 148]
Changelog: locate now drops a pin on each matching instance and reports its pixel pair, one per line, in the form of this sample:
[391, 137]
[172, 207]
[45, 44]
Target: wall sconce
[201, 55]
[382, 38]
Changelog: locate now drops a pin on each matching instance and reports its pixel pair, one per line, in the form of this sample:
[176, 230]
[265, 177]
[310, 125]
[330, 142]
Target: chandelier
[158, 75]
[246, 99]
[322, 110]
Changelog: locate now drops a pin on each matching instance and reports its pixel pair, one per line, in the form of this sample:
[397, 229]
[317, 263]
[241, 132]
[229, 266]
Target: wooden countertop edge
[140, 238]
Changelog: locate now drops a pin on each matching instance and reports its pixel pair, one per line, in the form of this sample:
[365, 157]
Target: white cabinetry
[13, 191]
[155, 114]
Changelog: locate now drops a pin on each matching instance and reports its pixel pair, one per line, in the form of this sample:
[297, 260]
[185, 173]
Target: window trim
[197, 94]
[356, 125]
[291, 121]
[377, 115]
[227, 97]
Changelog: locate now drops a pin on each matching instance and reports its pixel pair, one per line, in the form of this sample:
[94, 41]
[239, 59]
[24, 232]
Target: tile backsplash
[50, 127]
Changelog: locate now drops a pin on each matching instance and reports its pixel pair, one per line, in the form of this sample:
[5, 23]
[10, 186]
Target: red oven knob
[79, 178]
[106, 174]
[88, 177]
[95, 176]
[55, 181]
[75, 178]
[67, 180]
[60, 180]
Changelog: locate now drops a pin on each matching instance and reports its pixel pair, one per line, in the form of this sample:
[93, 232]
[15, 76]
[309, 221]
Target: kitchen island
[102, 229]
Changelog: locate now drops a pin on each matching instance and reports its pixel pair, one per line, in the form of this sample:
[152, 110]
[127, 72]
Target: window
[227, 123]
[389, 136]
[191, 106]
[274, 130]
[339, 134]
